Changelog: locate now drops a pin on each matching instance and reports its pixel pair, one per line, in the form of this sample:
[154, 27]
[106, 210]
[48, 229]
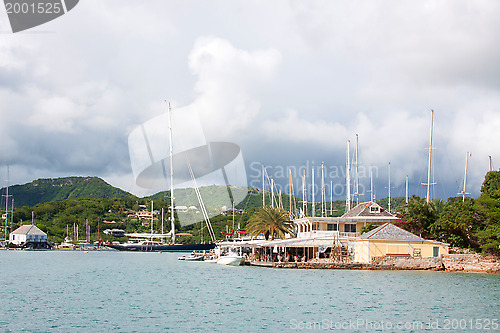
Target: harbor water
[98, 291]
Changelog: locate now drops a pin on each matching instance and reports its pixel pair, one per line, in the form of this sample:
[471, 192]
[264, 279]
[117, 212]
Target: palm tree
[270, 221]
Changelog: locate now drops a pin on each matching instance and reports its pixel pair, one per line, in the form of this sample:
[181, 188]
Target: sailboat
[148, 245]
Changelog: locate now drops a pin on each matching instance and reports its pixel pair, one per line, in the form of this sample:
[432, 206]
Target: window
[350, 228]
[436, 251]
[332, 227]
[374, 209]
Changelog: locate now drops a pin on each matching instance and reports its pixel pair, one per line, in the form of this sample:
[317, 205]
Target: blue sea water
[154, 292]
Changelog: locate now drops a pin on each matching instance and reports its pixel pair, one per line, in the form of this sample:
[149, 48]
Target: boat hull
[163, 248]
[231, 260]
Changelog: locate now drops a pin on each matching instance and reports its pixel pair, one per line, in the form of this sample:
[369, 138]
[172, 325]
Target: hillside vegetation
[46, 190]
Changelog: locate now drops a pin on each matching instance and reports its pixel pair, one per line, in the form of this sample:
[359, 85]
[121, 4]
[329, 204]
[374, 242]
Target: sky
[289, 82]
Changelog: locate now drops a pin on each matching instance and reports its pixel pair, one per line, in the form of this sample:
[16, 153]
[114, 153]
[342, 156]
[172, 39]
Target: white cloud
[226, 78]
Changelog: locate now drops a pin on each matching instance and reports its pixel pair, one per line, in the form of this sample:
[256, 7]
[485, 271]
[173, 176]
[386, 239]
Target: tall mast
[290, 190]
[6, 205]
[263, 187]
[428, 197]
[304, 203]
[463, 193]
[172, 217]
[331, 197]
[357, 174]
[151, 217]
[348, 180]
[406, 188]
[372, 195]
[389, 205]
[322, 190]
[313, 190]
[272, 192]
[491, 168]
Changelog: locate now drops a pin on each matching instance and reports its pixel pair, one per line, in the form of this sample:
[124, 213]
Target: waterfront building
[334, 239]
[348, 225]
[27, 234]
[390, 240]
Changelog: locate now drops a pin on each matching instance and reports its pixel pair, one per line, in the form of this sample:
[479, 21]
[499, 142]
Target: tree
[457, 223]
[271, 222]
[488, 206]
[368, 227]
[417, 216]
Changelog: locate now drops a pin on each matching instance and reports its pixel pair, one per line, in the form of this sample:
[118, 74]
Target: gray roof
[389, 231]
[363, 210]
[28, 229]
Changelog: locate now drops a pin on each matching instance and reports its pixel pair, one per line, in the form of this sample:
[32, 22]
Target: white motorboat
[231, 259]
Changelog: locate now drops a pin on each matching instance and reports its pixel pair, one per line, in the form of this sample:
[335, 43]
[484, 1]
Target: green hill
[58, 189]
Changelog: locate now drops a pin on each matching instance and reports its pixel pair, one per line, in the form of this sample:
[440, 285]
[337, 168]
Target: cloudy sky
[288, 81]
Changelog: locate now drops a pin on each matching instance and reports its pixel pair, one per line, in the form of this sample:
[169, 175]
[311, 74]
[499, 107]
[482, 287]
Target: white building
[27, 234]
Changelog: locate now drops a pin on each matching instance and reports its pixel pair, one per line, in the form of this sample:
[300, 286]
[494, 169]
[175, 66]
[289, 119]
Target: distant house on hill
[28, 234]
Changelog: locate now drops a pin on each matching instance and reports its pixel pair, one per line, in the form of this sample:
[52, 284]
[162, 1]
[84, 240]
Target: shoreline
[466, 263]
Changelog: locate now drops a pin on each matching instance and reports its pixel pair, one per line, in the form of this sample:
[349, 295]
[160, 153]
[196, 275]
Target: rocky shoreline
[473, 263]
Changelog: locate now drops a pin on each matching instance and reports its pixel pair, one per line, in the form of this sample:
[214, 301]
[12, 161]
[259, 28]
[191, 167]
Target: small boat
[194, 258]
[231, 259]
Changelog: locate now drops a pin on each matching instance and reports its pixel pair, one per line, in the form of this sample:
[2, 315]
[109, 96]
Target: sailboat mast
[151, 218]
[313, 190]
[357, 174]
[331, 197]
[465, 177]
[406, 188]
[372, 195]
[322, 190]
[172, 218]
[348, 180]
[290, 190]
[389, 205]
[162, 220]
[263, 187]
[272, 192]
[428, 197]
[304, 203]
[6, 205]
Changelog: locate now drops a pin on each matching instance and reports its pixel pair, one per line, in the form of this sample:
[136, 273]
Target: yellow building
[348, 225]
[390, 240]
